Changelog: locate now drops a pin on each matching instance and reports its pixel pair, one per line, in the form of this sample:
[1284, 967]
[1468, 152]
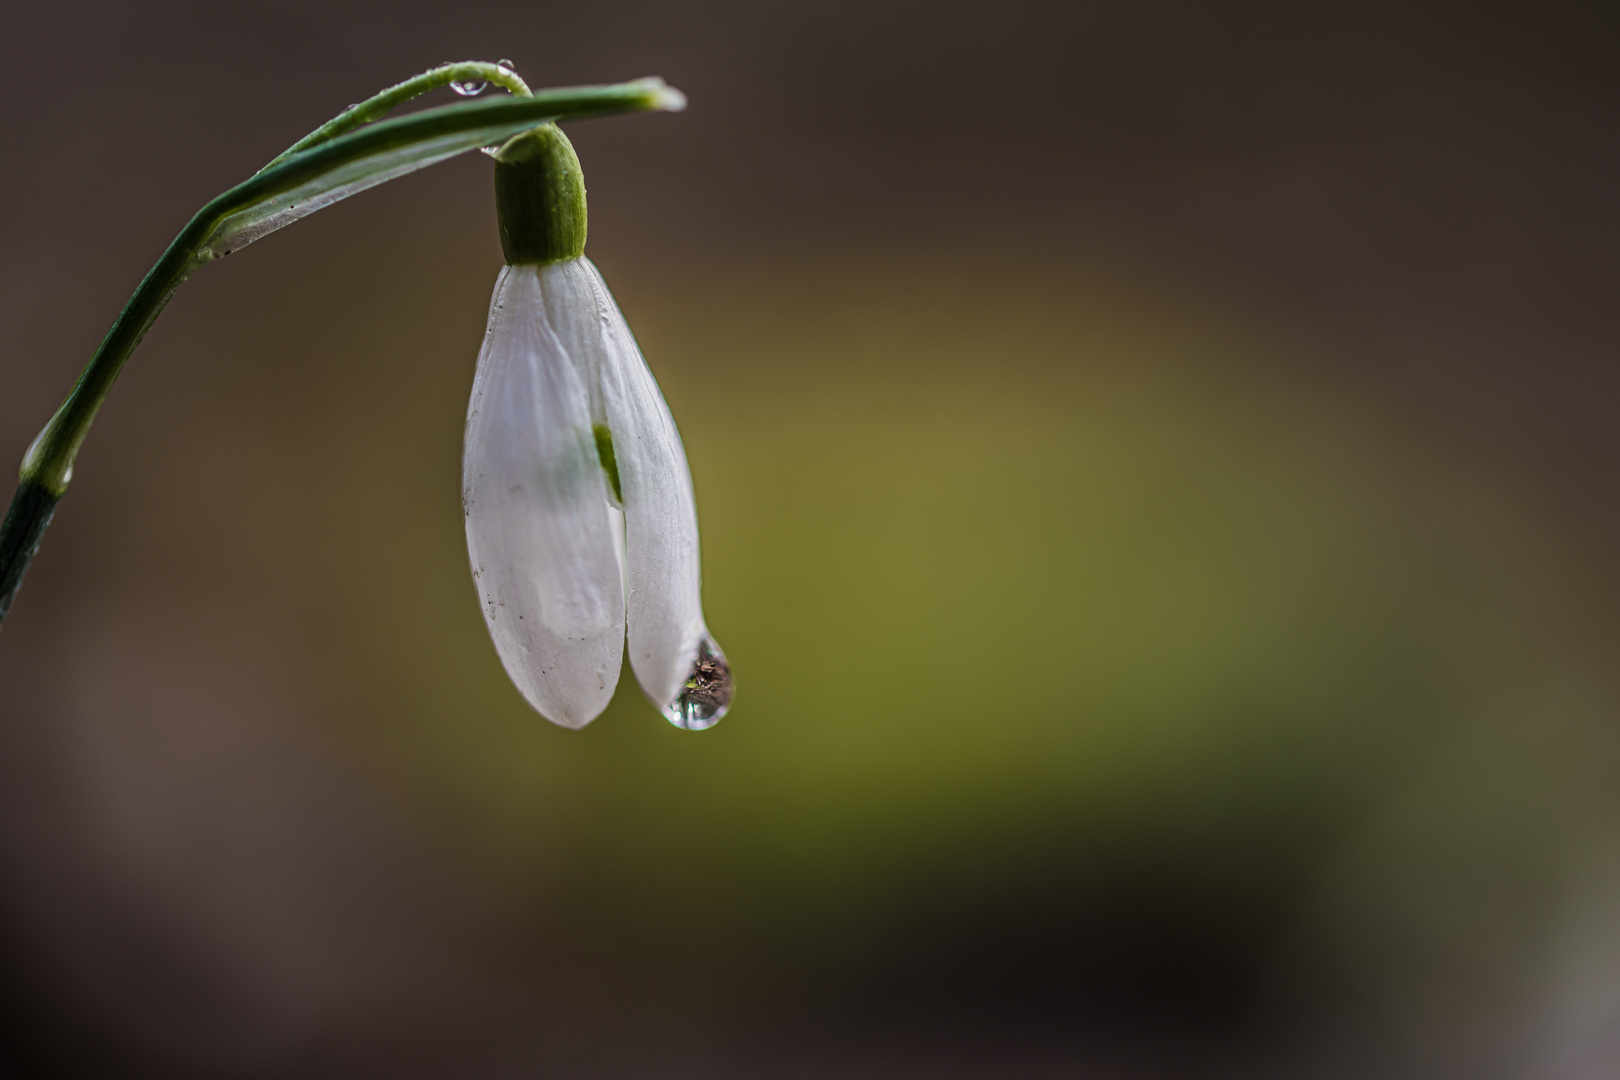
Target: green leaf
[307, 181]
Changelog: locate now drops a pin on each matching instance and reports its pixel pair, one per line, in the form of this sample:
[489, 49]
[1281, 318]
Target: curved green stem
[340, 161]
[379, 105]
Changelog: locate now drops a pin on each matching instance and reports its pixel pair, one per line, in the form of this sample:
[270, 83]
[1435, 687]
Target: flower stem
[379, 105]
[540, 198]
[334, 149]
[24, 527]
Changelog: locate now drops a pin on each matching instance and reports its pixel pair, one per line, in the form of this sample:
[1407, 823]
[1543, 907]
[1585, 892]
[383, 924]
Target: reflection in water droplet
[706, 694]
[469, 88]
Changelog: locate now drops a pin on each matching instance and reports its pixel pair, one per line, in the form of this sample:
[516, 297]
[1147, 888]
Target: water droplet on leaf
[706, 694]
[469, 87]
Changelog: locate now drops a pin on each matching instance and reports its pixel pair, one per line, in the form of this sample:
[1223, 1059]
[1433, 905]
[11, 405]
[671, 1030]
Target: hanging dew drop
[469, 87]
[706, 694]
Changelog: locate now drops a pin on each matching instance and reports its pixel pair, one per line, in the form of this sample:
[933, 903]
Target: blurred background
[1159, 479]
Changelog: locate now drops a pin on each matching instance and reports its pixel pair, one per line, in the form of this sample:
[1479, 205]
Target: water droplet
[507, 64]
[469, 88]
[706, 694]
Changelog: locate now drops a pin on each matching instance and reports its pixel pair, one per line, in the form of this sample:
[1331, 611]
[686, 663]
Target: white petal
[663, 582]
[536, 503]
[569, 288]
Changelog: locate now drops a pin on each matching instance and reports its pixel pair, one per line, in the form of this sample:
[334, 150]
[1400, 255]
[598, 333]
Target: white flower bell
[580, 517]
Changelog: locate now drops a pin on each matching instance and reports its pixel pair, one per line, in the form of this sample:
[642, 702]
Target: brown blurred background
[1159, 477]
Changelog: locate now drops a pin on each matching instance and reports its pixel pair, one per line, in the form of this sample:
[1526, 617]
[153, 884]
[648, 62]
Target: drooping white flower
[581, 523]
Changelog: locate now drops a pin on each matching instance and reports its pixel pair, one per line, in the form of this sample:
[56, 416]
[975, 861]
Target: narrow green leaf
[312, 179]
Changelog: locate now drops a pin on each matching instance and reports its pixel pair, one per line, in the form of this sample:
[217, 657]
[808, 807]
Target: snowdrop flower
[581, 524]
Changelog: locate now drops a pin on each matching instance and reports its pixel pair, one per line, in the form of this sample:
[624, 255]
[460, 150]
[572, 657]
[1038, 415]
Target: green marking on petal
[604, 453]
